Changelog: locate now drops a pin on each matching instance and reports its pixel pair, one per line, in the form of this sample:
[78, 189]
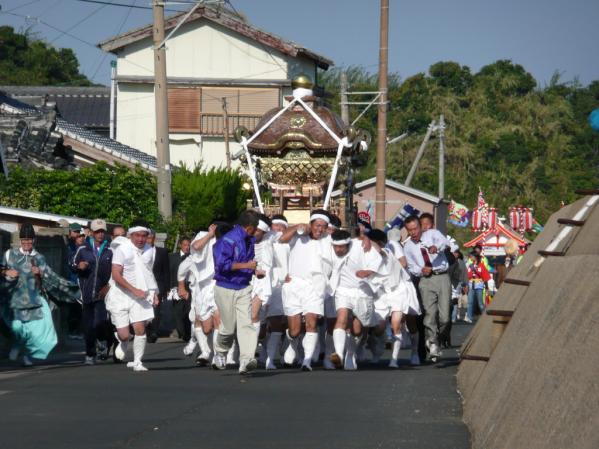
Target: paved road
[176, 405]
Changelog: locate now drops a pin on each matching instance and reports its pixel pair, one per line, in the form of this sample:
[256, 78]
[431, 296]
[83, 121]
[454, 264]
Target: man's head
[185, 245]
[334, 224]
[427, 221]
[248, 220]
[413, 228]
[477, 250]
[341, 241]
[138, 232]
[222, 227]
[74, 230]
[27, 236]
[151, 237]
[264, 224]
[378, 237]
[98, 229]
[319, 222]
[118, 231]
[278, 223]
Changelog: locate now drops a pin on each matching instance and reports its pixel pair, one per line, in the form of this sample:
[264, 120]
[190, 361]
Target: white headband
[280, 221]
[137, 229]
[263, 226]
[320, 217]
[346, 241]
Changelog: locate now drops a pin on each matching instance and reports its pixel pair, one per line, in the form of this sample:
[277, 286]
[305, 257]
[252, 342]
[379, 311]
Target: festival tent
[528, 369]
[494, 239]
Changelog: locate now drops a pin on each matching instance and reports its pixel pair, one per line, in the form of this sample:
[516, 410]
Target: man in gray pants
[234, 266]
[426, 261]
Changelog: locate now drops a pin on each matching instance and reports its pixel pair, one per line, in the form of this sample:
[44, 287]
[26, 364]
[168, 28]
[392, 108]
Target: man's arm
[199, 244]
[223, 258]
[291, 232]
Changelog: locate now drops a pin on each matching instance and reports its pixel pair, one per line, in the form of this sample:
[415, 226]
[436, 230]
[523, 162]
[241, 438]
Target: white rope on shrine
[244, 143]
[270, 122]
[342, 144]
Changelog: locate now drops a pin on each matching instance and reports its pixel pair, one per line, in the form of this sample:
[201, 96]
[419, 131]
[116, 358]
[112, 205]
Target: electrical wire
[78, 23]
[22, 6]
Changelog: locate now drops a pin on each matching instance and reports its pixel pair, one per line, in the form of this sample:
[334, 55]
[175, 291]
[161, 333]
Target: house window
[200, 110]
[184, 110]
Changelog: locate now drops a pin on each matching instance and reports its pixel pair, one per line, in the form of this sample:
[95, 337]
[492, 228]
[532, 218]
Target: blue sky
[543, 36]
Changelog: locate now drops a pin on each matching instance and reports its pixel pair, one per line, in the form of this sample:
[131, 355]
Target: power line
[78, 23]
[105, 3]
[22, 6]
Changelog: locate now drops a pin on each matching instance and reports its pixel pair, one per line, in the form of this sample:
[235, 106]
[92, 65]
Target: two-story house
[216, 57]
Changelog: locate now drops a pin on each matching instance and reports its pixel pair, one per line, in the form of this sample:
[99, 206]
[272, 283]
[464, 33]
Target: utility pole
[441, 128]
[165, 205]
[344, 104]
[226, 132]
[381, 144]
[429, 132]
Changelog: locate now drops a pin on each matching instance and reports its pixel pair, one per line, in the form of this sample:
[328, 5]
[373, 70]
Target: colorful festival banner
[458, 214]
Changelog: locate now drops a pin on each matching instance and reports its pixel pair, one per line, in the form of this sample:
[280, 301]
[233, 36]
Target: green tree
[25, 60]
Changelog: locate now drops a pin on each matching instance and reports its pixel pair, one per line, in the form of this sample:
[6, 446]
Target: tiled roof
[105, 144]
[85, 106]
[81, 134]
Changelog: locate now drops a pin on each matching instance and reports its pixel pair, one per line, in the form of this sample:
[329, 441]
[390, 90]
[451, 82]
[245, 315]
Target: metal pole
[344, 105]
[427, 137]
[226, 132]
[382, 117]
[112, 96]
[161, 100]
[441, 157]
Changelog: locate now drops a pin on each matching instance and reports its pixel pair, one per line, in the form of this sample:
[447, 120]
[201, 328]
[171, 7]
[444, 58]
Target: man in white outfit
[132, 295]
[353, 269]
[310, 264]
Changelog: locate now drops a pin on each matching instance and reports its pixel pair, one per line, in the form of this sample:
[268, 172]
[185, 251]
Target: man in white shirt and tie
[427, 263]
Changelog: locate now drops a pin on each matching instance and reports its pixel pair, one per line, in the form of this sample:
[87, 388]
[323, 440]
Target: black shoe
[152, 338]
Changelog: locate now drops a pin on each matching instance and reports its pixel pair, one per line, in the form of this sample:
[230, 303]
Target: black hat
[26, 231]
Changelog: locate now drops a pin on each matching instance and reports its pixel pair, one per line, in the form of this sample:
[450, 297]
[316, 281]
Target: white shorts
[262, 289]
[329, 307]
[274, 307]
[361, 305]
[203, 305]
[403, 299]
[125, 310]
[300, 297]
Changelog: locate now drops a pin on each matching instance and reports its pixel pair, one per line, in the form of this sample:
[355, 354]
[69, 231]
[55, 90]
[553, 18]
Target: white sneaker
[327, 364]
[393, 363]
[27, 361]
[467, 320]
[89, 360]
[434, 350]
[219, 361]
[139, 367]
[247, 367]
[306, 365]
[131, 364]
[415, 359]
[14, 354]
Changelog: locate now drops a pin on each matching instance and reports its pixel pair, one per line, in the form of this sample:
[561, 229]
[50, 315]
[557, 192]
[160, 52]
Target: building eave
[397, 186]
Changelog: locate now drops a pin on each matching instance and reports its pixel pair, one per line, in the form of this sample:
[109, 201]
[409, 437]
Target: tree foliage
[521, 143]
[119, 195]
[31, 62]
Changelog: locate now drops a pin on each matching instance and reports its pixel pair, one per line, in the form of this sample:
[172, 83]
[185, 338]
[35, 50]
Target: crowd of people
[260, 292]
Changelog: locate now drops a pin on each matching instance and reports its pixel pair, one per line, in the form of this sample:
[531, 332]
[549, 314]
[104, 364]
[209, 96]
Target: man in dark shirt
[234, 266]
[162, 273]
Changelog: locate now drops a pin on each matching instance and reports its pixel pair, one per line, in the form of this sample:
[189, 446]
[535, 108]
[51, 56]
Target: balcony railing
[213, 124]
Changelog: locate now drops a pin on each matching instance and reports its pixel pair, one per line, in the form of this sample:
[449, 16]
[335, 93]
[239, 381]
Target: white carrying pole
[342, 144]
[244, 143]
[112, 96]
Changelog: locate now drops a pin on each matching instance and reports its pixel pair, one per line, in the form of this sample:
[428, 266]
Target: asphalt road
[64, 404]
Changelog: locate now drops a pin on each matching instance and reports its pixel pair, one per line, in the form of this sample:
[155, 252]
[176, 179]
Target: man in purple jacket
[234, 266]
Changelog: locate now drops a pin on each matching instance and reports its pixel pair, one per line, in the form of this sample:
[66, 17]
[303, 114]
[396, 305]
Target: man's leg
[247, 337]
[89, 332]
[430, 301]
[339, 337]
[178, 315]
[139, 346]
[225, 302]
[310, 340]
[444, 288]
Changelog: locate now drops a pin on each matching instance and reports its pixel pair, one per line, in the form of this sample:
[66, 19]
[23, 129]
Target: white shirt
[396, 249]
[308, 257]
[136, 270]
[345, 268]
[413, 252]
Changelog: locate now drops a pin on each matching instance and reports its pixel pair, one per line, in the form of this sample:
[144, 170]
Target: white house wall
[200, 49]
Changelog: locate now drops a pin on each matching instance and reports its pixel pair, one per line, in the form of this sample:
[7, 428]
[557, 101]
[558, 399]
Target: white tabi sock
[396, 346]
[291, 351]
[339, 337]
[309, 344]
[139, 348]
[233, 354]
[122, 346]
[272, 347]
[202, 339]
